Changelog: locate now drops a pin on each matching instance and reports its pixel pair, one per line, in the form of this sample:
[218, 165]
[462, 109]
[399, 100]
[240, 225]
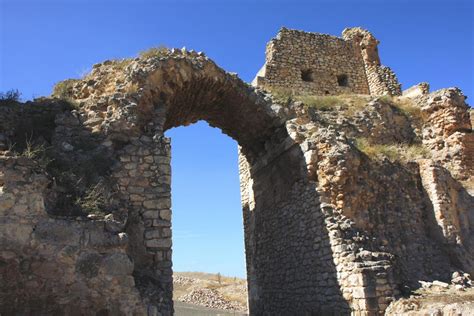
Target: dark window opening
[342, 81]
[326, 92]
[307, 75]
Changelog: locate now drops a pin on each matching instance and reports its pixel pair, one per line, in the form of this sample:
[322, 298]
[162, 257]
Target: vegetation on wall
[10, 95]
[393, 152]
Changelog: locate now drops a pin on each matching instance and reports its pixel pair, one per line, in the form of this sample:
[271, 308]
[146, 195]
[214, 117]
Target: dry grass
[321, 103]
[394, 152]
[231, 288]
[132, 88]
[159, 51]
[283, 95]
[350, 104]
[93, 200]
[121, 63]
[38, 153]
[468, 185]
[63, 89]
[405, 105]
[235, 298]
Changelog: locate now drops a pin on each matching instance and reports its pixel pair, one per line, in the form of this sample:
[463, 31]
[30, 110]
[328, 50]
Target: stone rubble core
[320, 64]
[328, 229]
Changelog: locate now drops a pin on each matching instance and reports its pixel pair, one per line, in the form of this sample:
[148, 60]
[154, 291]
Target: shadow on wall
[290, 264]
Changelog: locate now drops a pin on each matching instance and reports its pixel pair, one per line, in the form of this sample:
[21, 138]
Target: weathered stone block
[117, 264]
[159, 243]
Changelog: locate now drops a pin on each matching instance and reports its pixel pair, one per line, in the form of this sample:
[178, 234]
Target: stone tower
[320, 64]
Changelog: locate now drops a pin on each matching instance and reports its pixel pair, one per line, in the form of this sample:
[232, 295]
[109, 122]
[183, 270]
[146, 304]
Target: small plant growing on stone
[322, 103]
[131, 88]
[160, 51]
[386, 98]
[408, 108]
[93, 200]
[63, 89]
[38, 153]
[10, 95]
[121, 63]
[394, 152]
[376, 151]
[31, 151]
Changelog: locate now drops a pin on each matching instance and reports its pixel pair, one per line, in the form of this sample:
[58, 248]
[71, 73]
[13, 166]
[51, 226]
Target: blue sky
[43, 42]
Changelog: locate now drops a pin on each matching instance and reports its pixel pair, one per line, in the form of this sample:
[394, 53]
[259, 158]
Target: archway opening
[208, 234]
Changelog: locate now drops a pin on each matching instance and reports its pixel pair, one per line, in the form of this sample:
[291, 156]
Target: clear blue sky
[43, 42]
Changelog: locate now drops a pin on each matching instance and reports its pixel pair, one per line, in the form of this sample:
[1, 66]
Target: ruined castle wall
[452, 210]
[335, 273]
[382, 80]
[51, 265]
[144, 182]
[414, 211]
[20, 123]
[448, 131]
[301, 258]
[313, 63]
[327, 228]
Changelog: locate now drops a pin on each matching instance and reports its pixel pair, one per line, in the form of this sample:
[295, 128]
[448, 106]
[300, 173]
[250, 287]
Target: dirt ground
[210, 290]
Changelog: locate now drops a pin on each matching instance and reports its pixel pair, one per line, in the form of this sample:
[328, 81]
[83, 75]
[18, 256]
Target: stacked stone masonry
[328, 229]
[318, 64]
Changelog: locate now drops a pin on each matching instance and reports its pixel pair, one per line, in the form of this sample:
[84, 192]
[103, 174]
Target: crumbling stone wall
[381, 79]
[319, 64]
[448, 131]
[328, 229]
[53, 265]
[312, 63]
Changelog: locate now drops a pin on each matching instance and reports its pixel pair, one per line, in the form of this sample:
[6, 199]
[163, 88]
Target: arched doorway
[290, 268]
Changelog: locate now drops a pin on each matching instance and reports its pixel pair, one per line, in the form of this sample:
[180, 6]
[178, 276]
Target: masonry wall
[323, 268]
[381, 79]
[311, 63]
[53, 265]
[328, 229]
[292, 55]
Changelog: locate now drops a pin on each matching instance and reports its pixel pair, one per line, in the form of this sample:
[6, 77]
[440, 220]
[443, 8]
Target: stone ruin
[321, 64]
[85, 200]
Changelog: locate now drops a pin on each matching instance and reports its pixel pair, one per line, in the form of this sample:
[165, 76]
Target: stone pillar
[144, 179]
[447, 131]
[381, 79]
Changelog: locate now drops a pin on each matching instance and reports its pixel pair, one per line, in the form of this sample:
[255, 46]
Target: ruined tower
[320, 64]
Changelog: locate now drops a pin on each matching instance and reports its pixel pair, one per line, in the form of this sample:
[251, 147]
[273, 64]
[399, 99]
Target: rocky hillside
[437, 298]
[210, 290]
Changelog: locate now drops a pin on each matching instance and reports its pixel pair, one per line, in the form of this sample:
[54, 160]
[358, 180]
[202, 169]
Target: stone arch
[182, 88]
[289, 250]
[177, 90]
